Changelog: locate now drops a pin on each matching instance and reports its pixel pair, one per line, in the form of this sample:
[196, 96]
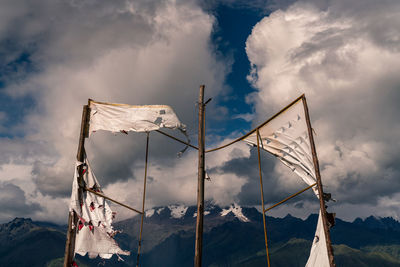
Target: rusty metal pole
[200, 185]
[72, 218]
[144, 199]
[262, 197]
[319, 186]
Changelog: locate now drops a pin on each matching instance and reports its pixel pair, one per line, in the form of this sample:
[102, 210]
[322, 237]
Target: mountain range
[233, 236]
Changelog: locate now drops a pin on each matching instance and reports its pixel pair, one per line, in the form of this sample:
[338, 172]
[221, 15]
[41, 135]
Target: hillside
[233, 237]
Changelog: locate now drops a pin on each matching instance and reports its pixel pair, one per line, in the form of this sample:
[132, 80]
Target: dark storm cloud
[343, 56]
[274, 189]
[14, 203]
[134, 52]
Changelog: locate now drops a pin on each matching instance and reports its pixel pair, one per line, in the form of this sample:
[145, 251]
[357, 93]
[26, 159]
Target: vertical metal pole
[319, 185]
[262, 196]
[72, 218]
[144, 198]
[200, 185]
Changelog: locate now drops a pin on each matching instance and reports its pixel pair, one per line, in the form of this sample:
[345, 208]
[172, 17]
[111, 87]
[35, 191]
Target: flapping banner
[124, 118]
[94, 232]
[286, 137]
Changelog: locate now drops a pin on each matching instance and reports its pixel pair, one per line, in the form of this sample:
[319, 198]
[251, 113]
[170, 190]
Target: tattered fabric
[286, 137]
[94, 232]
[319, 252]
[124, 118]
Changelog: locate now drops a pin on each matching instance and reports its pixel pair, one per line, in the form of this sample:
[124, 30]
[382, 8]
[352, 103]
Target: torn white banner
[94, 232]
[124, 118]
[286, 137]
[319, 252]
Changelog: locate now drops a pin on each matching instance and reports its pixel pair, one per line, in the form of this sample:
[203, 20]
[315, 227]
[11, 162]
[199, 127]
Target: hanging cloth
[319, 253]
[94, 232]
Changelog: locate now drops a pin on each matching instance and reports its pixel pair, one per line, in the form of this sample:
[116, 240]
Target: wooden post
[200, 185]
[72, 218]
[144, 198]
[319, 186]
[262, 196]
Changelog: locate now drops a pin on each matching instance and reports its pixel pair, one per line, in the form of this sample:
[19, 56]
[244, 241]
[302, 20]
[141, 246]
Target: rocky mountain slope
[233, 236]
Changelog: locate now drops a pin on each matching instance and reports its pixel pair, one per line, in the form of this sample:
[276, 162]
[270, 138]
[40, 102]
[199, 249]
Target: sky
[254, 57]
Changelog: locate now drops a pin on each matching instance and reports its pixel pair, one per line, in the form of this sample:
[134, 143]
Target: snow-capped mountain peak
[160, 210]
[237, 211]
[177, 211]
[150, 212]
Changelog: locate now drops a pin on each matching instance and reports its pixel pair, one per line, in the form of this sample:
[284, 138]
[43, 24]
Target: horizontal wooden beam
[290, 197]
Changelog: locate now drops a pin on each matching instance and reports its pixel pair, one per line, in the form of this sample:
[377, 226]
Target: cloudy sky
[254, 58]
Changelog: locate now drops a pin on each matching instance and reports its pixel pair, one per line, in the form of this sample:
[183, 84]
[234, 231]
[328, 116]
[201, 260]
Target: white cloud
[345, 59]
[125, 51]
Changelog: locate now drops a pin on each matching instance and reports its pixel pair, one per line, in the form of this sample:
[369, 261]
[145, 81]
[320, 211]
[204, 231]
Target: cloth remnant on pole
[94, 232]
[286, 137]
[124, 118]
[319, 254]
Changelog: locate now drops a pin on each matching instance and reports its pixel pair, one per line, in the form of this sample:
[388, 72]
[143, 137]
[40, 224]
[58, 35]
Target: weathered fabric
[94, 232]
[319, 252]
[124, 118]
[286, 137]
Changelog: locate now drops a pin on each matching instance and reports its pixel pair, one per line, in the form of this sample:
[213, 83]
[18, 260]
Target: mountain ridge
[228, 240]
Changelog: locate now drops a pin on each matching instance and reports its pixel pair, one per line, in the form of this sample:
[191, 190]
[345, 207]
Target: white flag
[124, 118]
[319, 253]
[94, 232]
[286, 137]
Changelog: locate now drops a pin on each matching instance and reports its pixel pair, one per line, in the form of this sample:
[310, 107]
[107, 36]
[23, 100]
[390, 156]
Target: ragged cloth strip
[94, 232]
[319, 253]
[286, 137]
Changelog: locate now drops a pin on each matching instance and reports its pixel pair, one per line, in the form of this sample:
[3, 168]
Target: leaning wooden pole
[319, 186]
[144, 199]
[262, 197]
[200, 185]
[72, 218]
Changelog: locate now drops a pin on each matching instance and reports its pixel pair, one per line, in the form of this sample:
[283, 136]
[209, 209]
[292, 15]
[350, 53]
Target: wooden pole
[319, 186]
[290, 197]
[72, 218]
[144, 198]
[200, 185]
[262, 196]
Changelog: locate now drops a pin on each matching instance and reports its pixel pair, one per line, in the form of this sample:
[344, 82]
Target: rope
[176, 139]
[259, 126]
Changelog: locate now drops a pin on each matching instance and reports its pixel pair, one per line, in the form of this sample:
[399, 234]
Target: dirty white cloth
[94, 232]
[121, 117]
[319, 252]
[286, 137]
